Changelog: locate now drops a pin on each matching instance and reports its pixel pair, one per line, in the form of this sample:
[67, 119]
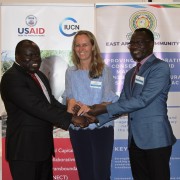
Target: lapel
[142, 70]
[45, 82]
[30, 80]
[147, 64]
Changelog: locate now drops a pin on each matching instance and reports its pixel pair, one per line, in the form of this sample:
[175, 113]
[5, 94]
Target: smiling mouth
[82, 53]
[136, 52]
[35, 65]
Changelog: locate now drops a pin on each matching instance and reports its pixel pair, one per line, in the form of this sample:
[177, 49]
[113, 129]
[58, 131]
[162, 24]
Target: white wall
[80, 1]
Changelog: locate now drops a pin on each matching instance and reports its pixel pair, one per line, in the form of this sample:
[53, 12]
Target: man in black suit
[32, 111]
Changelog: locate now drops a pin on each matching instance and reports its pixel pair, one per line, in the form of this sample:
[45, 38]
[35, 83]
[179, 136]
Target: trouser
[29, 170]
[151, 164]
[93, 152]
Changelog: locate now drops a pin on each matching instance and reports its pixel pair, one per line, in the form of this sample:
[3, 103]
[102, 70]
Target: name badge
[139, 80]
[96, 84]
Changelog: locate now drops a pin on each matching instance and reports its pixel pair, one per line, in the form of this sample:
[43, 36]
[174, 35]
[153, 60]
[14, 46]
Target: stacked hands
[84, 115]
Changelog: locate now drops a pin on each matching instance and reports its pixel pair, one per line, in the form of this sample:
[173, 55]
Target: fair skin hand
[70, 104]
[78, 121]
[83, 109]
[84, 119]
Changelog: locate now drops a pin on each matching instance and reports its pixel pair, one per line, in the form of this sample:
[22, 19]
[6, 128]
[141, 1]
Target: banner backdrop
[52, 27]
[115, 24]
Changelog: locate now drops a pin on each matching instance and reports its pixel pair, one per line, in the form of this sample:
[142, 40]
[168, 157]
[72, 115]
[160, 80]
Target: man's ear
[152, 45]
[16, 58]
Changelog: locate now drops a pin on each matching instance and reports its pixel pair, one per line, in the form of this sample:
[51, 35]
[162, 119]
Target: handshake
[84, 115]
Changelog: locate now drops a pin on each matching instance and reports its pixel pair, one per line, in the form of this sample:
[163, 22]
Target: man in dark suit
[150, 136]
[32, 111]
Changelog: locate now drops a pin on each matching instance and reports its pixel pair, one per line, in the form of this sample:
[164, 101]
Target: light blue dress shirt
[79, 86]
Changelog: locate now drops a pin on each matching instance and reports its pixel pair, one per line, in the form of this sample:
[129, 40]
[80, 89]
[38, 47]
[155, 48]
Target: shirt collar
[145, 59]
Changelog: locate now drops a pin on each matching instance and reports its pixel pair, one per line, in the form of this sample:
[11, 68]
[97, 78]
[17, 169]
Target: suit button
[131, 119]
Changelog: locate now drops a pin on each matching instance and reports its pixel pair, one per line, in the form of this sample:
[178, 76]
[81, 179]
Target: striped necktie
[41, 85]
[35, 79]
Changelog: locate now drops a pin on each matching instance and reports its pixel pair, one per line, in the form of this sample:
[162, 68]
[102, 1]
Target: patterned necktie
[35, 79]
[135, 73]
[41, 85]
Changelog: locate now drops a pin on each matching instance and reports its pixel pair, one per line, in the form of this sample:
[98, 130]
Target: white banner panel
[52, 27]
[44, 23]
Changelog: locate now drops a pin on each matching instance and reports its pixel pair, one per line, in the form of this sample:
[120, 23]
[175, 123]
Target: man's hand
[97, 109]
[80, 121]
[91, 119]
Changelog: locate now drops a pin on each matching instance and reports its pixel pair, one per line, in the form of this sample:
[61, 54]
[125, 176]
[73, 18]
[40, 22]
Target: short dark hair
[21, 44]
[147, 31]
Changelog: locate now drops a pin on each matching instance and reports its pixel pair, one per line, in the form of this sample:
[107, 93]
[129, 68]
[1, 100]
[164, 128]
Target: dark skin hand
[97, 109]
[89, 118]
[80, 121]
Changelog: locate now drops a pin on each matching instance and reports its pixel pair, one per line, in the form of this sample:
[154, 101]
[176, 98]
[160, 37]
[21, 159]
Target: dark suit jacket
[30, 116]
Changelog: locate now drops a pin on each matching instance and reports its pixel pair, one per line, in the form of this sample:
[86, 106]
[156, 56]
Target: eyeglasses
[139, 43]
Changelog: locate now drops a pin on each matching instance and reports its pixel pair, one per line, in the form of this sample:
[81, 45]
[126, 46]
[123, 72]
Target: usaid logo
[31, 20]
[31, 30]
[68, 27]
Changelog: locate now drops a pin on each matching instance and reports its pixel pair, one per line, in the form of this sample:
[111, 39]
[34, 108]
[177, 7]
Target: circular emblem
[31, 20]
[68, 27]
[142, 19]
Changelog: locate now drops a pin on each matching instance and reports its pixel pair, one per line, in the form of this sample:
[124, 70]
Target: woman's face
[83, 48]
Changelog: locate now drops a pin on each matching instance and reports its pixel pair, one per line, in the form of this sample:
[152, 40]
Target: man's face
[140, 46]
[29, 57]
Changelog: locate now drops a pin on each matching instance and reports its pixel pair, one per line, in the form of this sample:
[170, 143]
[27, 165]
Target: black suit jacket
[30, 116]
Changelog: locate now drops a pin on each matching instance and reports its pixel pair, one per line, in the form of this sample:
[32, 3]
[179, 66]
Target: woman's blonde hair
[97, 63]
